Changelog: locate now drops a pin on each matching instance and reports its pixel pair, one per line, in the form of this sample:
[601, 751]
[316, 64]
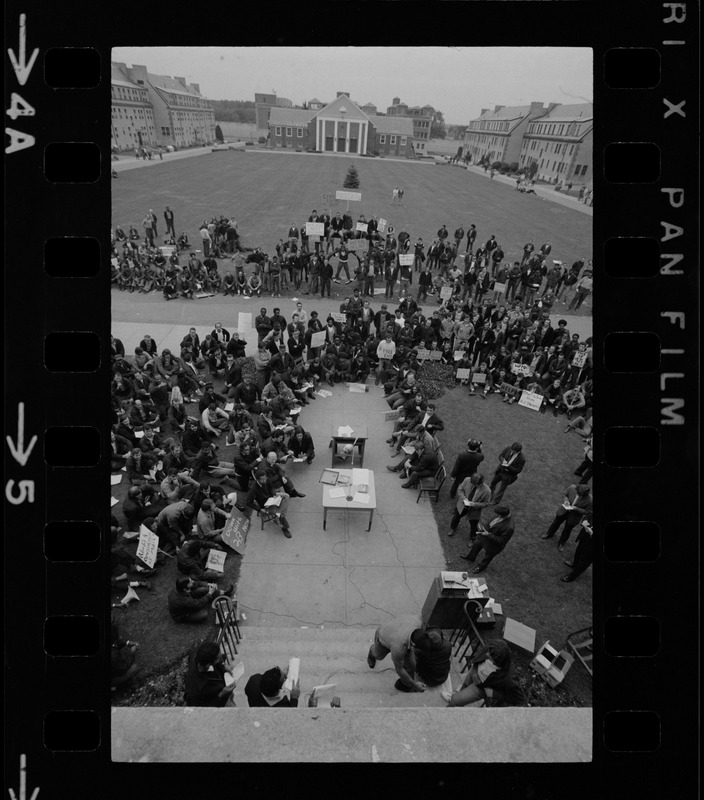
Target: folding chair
[432, 486]
[227, 614]
[267, 515]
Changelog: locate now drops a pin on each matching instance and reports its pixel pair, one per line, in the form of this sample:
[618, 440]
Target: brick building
[263, 103]
[498, 135]
[340, 127]
[161, 110]
[421, 117]
[560, 143]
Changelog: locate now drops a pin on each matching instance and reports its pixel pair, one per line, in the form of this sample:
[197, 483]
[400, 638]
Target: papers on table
[455, 580]
[113, 501]
[293, 667]
[273, 501]
[494, 606]
[360, 476]
[360, 498]
[474, 591]
[337, 493]
[115, 479]
[329, 476]
[482, 587]
[344, 430]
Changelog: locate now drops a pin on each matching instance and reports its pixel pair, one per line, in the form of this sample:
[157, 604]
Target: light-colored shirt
[396, 636]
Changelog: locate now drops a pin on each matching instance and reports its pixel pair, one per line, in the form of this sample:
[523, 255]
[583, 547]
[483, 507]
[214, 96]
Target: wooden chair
[432, 486]
[267, 515]
[227, 613]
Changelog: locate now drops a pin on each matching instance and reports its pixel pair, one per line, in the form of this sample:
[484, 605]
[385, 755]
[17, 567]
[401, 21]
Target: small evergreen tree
[218, 134]
[351, 179]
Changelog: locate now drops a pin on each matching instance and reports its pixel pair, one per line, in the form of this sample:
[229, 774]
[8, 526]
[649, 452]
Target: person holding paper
[584, 554]
[492, 539]
[398, 637]
[488, 681]
[266, 690]
[576, 505]
[205, 685]
[511, 463]
[259, 497]
[276, 476]
[190, 600]
[301, 445]
[474, 496]
[424, 466]
[192, 557]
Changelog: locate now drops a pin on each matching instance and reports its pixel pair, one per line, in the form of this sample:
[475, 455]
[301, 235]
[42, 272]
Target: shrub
[513, 166]
[261, 140]
[496, 165]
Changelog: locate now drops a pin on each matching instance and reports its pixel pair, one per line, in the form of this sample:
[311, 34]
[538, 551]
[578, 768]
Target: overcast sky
[457, 81]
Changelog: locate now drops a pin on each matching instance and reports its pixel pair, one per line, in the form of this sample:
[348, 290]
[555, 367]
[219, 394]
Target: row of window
[289, 132]
[489, 126]
[566, 129]
[552, 147]
[392, 139]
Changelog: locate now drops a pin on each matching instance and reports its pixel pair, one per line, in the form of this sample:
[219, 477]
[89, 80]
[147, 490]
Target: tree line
[234, 110]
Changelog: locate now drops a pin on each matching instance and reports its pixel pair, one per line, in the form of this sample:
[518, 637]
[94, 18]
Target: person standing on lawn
[466, 464]
[584, 554]
[576, 504]
[398, 637]
[474, 495]
[492, 539]
[511, 462]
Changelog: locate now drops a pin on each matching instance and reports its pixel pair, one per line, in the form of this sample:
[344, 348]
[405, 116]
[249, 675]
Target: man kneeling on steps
[398, 637]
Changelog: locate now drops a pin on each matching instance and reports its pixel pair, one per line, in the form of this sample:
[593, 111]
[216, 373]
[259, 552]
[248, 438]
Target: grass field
[267, 193]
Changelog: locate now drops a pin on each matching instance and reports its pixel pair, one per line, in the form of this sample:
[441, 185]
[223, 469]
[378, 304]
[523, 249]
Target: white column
[347, 137]
[366, 132]
[334, 142]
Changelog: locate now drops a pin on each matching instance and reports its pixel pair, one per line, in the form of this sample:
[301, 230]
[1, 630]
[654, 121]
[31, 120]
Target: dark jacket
[506, 691]
[255, 699]
[516, 465]
[202, 689]
[466, 464]
[497, 537]
[182, 605]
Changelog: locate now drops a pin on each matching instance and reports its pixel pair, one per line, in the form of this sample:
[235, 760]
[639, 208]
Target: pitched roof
[403, 126]
[569, 113]
[506, 113]
[169, 84]
[352, 109]
[290, 116]
[118, 77]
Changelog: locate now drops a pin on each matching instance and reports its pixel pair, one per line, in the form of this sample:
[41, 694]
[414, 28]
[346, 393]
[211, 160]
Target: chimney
[498, 108]
[484, 111]
[536, 107]
[180, 80]
[196, 86]
[551, 106]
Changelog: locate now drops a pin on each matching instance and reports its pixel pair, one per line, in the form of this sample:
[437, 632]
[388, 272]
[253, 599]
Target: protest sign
[381, 227]
[458, 355]
[391, 416]
[342, 195]
[500, 288]
[338, 316]
[147, 547]
[580, 358]
[362, 226]
[479, 378]
[216, 560]
[508, 388]
[387, 351]
[463, 374]
[234, 533]
[315, 228]
[445, 291]
[423, 354]
[406, 260]
[317, 339]
[521, 369]
[531, 400]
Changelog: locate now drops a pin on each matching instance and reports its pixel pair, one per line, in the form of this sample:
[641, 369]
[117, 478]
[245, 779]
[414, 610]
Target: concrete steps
[330, 655]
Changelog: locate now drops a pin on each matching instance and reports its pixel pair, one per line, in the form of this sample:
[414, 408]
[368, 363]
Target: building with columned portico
[341, 127]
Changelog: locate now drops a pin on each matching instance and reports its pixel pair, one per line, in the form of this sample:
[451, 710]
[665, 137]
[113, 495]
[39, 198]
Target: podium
[444, 607]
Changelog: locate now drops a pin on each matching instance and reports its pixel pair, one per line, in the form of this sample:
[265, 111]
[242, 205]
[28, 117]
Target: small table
[444, 608]
[350, 490]
[357, 437]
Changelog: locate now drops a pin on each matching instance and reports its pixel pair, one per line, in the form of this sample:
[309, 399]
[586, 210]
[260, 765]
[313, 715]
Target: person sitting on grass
[489, 681]
[190, 600]
[123, 666]
[192, 558]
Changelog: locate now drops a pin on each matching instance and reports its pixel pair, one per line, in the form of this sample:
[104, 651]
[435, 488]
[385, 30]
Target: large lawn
[267, 192]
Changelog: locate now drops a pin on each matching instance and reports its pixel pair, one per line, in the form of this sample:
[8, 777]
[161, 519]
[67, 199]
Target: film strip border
[646, 334]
